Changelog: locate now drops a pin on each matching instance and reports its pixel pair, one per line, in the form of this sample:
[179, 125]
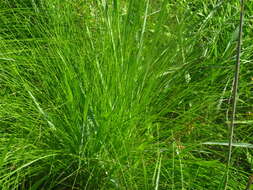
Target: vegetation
[123, 94]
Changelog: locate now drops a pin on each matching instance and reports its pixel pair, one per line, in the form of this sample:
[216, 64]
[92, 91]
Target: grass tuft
[122, 94]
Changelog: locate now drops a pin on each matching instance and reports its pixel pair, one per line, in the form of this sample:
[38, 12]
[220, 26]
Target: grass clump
[121, 94]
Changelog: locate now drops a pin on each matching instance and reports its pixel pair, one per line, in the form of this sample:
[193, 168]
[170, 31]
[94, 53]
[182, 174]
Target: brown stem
[235, 91]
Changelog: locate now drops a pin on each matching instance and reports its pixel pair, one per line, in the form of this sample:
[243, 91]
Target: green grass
[122, 94]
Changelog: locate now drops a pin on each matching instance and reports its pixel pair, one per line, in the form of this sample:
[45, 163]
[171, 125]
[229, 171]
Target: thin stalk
[250, 181]
[235, 92]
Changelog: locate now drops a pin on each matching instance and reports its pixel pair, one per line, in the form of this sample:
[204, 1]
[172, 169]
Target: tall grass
[121, 94]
